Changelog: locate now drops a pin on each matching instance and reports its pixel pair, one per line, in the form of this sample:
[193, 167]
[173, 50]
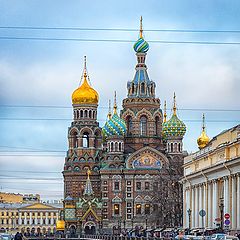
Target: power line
[116, 40]
[101, 120]
[118, 29]
[105, 107]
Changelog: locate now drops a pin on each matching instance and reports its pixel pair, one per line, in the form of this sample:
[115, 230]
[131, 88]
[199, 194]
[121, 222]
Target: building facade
[29, 217]
[18, 198]
[212, 182]
[124, 175]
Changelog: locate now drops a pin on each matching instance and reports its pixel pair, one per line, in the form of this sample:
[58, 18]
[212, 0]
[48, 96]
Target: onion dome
[114, 125]
[85, 94]
[203, 139]
[60, 225]
[174, 127]
[141, 46]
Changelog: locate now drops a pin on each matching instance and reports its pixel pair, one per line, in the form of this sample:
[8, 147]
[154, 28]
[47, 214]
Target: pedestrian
[18, 236]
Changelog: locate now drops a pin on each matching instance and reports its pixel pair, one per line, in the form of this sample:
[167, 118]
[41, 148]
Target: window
[155, 186]
[138, 209]
[129, 204]
[75, 142]
[104, 182]
[147, 208]
[157, 125]
[116, 186]
[129, 194]
[129, 189]
[116, 209]
[147, 186]
[85, 140]
[179, 147]
[129, 125]
[142, 88]
[105, 188]
[138, 186]
[105, 204]
[129, 216]
[105, 195]
[129, 183]
[133, 88]
[129, 210]
[143, 126]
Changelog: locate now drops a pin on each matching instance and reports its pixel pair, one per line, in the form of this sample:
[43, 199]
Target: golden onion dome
[60, 225]
[85, 94]
[203, 139]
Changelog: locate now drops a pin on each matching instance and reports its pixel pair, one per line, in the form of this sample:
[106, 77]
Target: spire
[203, 123]
[141, 28]
[165, 112]
[174, 105]
[85, 75]
[88, 187]
[109, 110]
[115, 103]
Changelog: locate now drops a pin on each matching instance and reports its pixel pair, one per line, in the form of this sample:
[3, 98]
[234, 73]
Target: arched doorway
[90, 228]
[72, 230]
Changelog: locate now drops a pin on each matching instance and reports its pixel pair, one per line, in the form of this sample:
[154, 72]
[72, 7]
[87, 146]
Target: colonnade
[209, 196]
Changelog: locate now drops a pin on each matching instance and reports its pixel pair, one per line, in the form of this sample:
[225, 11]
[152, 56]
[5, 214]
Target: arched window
[90, 114]
[120, 146]
[86, 140]
[179, 147]
[129, 125]
[142, 88]
[175, 147]
[111, 149]
[171, 147]
[157, 125]
[143, 126]
[74, 140]
[116, 147]
[133, 88]
[96, 139]
[85, 113]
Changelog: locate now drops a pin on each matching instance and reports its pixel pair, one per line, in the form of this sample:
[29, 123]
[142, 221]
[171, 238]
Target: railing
[93, 237]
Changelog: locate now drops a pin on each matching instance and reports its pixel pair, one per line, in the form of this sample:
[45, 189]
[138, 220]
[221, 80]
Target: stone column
[205, 203]
[226, 195]
[193, 207]
[30, 218]
[209, 204]
[41, 218]
[234, 202]
[46, 219]
[51, 218]
[200, 205]
[20, 219]
[197, 206]
[238, 201]
[25, 218]
[215, 201]
[188, 206]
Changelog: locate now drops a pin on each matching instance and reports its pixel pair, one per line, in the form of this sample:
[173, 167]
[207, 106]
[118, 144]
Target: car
[5, 236]
[228, 237]
[217, 236]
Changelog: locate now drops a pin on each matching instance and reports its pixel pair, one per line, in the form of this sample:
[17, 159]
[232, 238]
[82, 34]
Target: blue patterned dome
[114, 126]
[174, 127]
[141, 46]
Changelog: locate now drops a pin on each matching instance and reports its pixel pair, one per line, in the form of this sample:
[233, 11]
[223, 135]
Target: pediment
[147, 158]
[39, 206]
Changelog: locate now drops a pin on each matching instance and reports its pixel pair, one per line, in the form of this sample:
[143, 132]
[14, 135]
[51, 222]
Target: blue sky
[47, 72]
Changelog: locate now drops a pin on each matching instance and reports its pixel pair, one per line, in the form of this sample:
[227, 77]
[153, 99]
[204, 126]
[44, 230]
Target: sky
[45, 73]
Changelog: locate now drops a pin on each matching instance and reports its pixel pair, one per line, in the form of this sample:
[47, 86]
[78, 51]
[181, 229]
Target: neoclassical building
[211, 182]
[29, 216]
[124, 175]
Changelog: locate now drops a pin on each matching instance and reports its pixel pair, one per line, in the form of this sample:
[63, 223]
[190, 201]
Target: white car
[218, 236]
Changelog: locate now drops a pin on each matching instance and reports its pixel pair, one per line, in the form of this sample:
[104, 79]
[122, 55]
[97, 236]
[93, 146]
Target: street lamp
[189, 211]
[221, 207]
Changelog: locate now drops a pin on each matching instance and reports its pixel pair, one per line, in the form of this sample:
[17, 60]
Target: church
[125, 175]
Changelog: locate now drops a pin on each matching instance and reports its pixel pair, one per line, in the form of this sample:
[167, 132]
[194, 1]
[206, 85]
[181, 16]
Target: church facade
[123, 176]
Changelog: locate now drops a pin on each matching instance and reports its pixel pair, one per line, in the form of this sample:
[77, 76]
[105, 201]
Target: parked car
[5, 236]
[217, 236]
[228, 237]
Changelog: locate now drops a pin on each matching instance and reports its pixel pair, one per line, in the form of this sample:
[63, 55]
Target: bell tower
[141, 109]
[84, 138]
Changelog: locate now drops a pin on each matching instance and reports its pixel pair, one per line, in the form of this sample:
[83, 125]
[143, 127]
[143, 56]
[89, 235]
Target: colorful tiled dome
[114, 125]
[141, 46]
[174, 127]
